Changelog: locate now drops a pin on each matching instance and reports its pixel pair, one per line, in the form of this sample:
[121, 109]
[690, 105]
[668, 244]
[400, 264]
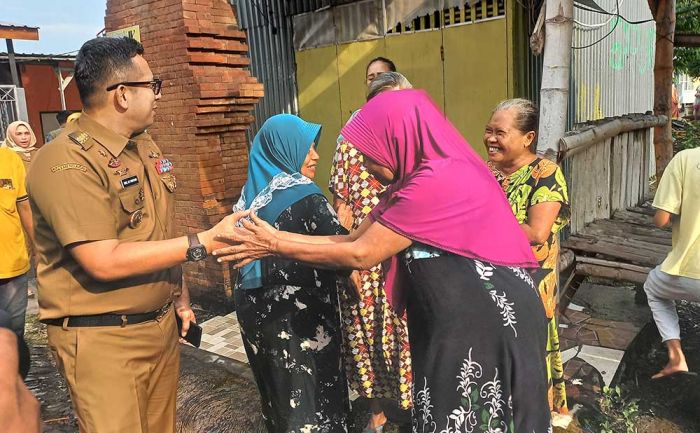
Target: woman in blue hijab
[288, 312]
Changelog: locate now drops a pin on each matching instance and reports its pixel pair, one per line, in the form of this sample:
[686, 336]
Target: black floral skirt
[478, 342]
[292, 338]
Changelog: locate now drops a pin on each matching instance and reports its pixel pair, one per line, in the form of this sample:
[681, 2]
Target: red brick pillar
[196, 48]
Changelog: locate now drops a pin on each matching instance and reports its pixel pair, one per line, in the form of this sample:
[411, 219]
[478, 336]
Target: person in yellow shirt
[678, 203]
[15, 215]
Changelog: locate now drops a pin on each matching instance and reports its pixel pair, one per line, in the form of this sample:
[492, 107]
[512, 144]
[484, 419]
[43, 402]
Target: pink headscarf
[444, 194]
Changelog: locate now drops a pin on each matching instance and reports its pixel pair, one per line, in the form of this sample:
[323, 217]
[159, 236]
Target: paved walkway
[221, 335]
[591, 346]
[594, 333]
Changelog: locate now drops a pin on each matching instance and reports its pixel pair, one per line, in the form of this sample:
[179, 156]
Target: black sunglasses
[155, 85]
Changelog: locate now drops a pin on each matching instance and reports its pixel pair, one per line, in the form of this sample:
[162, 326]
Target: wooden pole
[581, 139]
[13, 64]
[689, 40]
[664, 12]
[554, 93]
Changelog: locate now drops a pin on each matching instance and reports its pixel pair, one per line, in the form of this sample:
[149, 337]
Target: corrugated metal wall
[616, 75]
[269, 30]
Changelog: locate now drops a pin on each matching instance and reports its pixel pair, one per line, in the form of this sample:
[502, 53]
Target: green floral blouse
[541, 181]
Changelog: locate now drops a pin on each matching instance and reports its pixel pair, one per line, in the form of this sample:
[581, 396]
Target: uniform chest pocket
[131, 199]
[132, 202]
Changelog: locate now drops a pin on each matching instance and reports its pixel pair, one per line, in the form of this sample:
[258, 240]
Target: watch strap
[193, 240]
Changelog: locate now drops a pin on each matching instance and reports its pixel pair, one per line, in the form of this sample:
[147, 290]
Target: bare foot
[376, 420]
[671, 369]
[676, 360]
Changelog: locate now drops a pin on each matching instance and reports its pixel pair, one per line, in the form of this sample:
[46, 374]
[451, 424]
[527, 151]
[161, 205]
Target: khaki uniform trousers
[121, 379]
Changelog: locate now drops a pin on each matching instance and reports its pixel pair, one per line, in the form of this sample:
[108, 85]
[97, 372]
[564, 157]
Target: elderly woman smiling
[454, 256]
[536, 190]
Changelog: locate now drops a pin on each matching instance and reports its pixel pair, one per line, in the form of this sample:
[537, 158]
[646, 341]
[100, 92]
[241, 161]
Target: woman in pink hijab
[454, 257]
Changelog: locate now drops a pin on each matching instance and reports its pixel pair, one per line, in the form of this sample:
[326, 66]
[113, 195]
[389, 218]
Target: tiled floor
[221, 335]
[592, 349]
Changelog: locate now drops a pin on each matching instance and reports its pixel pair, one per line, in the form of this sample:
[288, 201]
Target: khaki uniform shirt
[91, 184]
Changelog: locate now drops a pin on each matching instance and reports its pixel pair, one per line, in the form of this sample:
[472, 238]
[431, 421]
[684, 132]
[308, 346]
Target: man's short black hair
[62, 116]
[387, 62]
[101, 60]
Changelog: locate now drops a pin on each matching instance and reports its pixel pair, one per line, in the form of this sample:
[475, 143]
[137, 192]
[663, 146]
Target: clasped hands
[242, 238]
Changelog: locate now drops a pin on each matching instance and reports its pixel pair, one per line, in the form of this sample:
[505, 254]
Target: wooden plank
[649, 248]
[636, 169]
[576, 194]
[644, 179]
[649, 146]
[643, 210]
[612, 264]
[19, 33]
[613, 249]
[632, 176]
[566, 259]
[573, 201]
[622, 163]
[634, 229]
[632, 173]
[612, 273]
[634, 218]
[616, 175]
[601, 172]
[588, 171]
[607, 232]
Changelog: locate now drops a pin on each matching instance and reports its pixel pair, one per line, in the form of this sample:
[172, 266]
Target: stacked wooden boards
[624, 247]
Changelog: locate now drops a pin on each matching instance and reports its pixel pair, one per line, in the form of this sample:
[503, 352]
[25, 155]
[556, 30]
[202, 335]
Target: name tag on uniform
[130, 181]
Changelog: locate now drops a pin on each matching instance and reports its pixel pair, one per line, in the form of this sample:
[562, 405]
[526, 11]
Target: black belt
[108, 319]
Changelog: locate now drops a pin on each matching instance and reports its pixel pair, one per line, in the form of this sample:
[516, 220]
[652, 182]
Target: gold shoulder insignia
[81, 138]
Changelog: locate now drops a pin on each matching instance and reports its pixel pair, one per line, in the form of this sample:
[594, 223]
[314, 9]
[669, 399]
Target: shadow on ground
[215, 394]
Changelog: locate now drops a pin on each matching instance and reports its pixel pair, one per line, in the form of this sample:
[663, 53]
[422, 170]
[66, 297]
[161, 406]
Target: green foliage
[687, 60]
[620, 414]
[686, 138]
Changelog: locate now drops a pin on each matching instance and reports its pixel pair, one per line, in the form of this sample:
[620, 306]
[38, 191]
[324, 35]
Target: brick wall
[196, 48]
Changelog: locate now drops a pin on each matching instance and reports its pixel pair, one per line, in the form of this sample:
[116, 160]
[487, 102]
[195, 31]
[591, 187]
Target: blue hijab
[274, 181]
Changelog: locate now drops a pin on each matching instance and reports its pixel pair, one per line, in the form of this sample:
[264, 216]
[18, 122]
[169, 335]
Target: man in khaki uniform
[109, 270]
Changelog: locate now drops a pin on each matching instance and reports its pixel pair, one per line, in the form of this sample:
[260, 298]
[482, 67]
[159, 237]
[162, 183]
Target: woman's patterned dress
[378, 359]
[539, 182]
